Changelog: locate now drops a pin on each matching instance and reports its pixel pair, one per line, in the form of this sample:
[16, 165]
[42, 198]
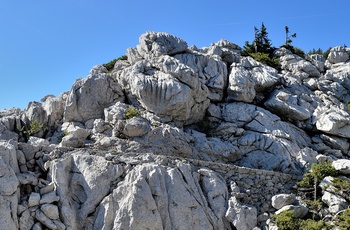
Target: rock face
[89, 96]
[177, 137]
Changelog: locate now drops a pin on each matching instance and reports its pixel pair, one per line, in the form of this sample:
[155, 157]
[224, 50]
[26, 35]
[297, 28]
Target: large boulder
[333, 121]
[8, 197]
[338, 54]
[243, 217]
[166, 87]
[267, 142]
[248, 77]
[153, 44]
[211, 70]
[82, 181]
[35, 119]
[89, 96]
[171, 198]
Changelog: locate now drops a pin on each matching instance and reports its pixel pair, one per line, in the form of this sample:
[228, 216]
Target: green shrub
[132, 112]
[266, 59]
[315, 205]
[343, 220]
[110, 65]
[314, 51]
[35, 127]
[286, 220]
[317, 173]
[341, 185]
[310, 224]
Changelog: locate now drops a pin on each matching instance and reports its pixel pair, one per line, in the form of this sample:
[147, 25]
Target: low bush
[267, 60]
[132, 112]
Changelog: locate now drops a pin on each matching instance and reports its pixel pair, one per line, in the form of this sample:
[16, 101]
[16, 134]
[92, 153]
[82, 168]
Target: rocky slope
[175, 137]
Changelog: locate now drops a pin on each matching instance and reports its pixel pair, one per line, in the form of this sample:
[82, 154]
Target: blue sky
[45, 45]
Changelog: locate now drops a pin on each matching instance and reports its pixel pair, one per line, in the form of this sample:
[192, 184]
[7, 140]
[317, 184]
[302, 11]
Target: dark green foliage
[35, 127]
[261, 48]
[132, 112]
[342, 185]
[310, 224]
[110, 65]
[317, 173]
[314, 51]
[260, 44]
[343, 220]
[267, 60]
[315, 205]
[326, 53]
[289, 36]
[286, 220]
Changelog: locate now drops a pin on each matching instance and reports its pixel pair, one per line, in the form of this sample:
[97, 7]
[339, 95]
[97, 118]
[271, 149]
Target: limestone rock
[8, 180]
[49, 198]
[241, 216]
[172, 198]
[338, 54]
[76, 135]
[228, 51]
[281, 200]
[212, 71]
[26, 221]
[153, 44]
[51, 211]
[82, 182]
[8, 153]
[299, 210]
[288, 105]
[136, 127]
[335, 202]
[295, 64]
[334, 121]
[34, 199]
[166, 87]
[248, 77]
[36, 141]
[342, 165]
[89, 96]
[54, 107]
[258, 144]
[8, 216]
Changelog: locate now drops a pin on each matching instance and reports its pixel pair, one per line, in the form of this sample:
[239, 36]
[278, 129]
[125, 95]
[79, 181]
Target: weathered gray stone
[89, 96]
[335, 202]
[334, 121]
[281, 200]
[342, 165]
[241, 216]
[34, 199]
[8, 180]
[26, 221]
[299, 210]
[338, 54]
[172, 198]
[8, 216]
[166, 87]
[82, 182]
[51, 211]
[136, 127]
[153, 44]
[49, 198]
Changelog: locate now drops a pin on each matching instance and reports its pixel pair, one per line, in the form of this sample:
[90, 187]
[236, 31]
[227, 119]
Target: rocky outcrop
[177, 137]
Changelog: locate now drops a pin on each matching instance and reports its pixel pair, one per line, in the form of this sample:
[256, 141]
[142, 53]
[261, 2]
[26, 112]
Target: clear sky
[45, 44]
